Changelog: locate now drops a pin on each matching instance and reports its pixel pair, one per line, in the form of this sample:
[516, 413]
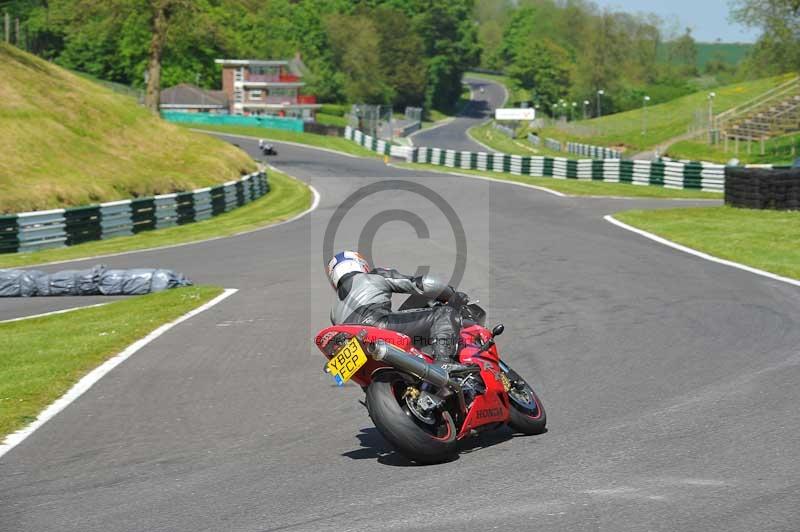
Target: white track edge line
[88, 380]
[700, 254]
[52, 313]
[486, 178]
[314, 205]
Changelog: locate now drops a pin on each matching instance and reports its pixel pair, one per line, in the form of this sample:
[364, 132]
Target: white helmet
[345, 262]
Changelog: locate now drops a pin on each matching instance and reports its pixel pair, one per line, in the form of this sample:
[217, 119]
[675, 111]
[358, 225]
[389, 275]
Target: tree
[356, 48]
[778, 49]
[683, 52]
[162, 14]
[400, 52]
[543, 68]
[450, 44]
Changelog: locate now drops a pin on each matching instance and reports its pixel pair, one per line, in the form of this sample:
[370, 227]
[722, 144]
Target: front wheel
[527, 411]
[425, 438]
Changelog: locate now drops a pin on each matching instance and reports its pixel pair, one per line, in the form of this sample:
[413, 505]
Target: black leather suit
[366, 298]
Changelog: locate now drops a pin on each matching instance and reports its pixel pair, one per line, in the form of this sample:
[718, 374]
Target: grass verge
[779, 151]
[67, 141]
[574, 187]
[287, 197]
[769, 240]
[42, 358]
[664, 121]
[496, 140]
[310, 139]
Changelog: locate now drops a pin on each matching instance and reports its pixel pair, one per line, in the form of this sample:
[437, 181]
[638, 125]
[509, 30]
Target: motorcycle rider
[364, 296]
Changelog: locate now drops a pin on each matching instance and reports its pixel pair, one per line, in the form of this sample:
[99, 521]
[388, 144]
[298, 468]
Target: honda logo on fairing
[489, 412]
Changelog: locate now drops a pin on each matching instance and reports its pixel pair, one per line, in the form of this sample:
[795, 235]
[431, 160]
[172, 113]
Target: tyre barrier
[32, 231]
[670, 174]
[763, 188]
[376, 145]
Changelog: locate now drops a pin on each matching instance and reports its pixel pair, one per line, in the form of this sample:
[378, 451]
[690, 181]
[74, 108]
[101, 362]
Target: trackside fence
[30, 231]
[671, 174]
[595, 152]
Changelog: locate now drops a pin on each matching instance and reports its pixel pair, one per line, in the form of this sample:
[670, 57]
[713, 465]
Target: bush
[334, 109]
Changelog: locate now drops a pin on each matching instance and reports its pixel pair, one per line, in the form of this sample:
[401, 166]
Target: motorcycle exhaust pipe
[395, 357]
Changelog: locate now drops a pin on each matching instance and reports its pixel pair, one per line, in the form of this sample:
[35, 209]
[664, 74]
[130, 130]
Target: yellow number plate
[347, 361]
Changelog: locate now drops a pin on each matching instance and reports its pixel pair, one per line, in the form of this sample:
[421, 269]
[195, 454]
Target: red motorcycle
[423, 410]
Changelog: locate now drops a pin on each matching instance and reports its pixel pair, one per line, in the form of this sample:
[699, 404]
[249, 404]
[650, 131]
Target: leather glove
[459, 299]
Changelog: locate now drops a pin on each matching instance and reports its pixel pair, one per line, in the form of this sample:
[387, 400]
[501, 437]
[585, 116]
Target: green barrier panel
[143, 214]
[269, 122]
[217, 200]
[657, 174]
[597, 170]
[239, 193]
[626, 172]
[185, 207]
[525, 167]
[82, 224]
[572, 169]
[473, 160]
[9, 241]
[490, 161]
[457, 159]
[547, 170]
[506, 163]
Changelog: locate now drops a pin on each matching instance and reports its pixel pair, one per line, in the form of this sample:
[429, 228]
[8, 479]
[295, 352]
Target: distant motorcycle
[267, 149]
[421, 408]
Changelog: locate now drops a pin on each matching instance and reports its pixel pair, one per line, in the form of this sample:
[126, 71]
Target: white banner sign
[515, 114]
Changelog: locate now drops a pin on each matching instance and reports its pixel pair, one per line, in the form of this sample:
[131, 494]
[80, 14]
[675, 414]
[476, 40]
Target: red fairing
[328, 340]
[488, 408]
[491, 407]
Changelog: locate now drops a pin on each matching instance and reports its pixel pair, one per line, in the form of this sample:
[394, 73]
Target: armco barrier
[595, 152]
[29, 231]
[671, 174]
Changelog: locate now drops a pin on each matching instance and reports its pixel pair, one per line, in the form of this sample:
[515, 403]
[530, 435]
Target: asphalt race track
[670, 383]
[453, 135]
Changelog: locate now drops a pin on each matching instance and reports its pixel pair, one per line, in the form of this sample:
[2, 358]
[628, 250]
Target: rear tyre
[421, 442]
[527, 411]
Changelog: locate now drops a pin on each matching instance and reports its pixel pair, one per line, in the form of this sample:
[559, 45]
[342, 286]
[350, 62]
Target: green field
[768, 240]
[779, 151]
[310, 139]
[287, 198]
[43, 357]
[65, 140]
[664, 121]
[574, 187]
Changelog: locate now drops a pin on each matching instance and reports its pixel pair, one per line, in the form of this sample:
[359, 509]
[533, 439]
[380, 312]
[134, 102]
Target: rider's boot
[444, 350]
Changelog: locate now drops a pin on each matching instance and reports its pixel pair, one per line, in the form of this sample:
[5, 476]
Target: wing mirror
[498, 330]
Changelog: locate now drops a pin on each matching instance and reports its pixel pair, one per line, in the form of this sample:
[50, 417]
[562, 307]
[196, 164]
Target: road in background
[670, 385]
[453, 135]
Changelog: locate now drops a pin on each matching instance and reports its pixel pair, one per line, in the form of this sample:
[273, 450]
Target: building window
[283, 91]
[255, 95]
